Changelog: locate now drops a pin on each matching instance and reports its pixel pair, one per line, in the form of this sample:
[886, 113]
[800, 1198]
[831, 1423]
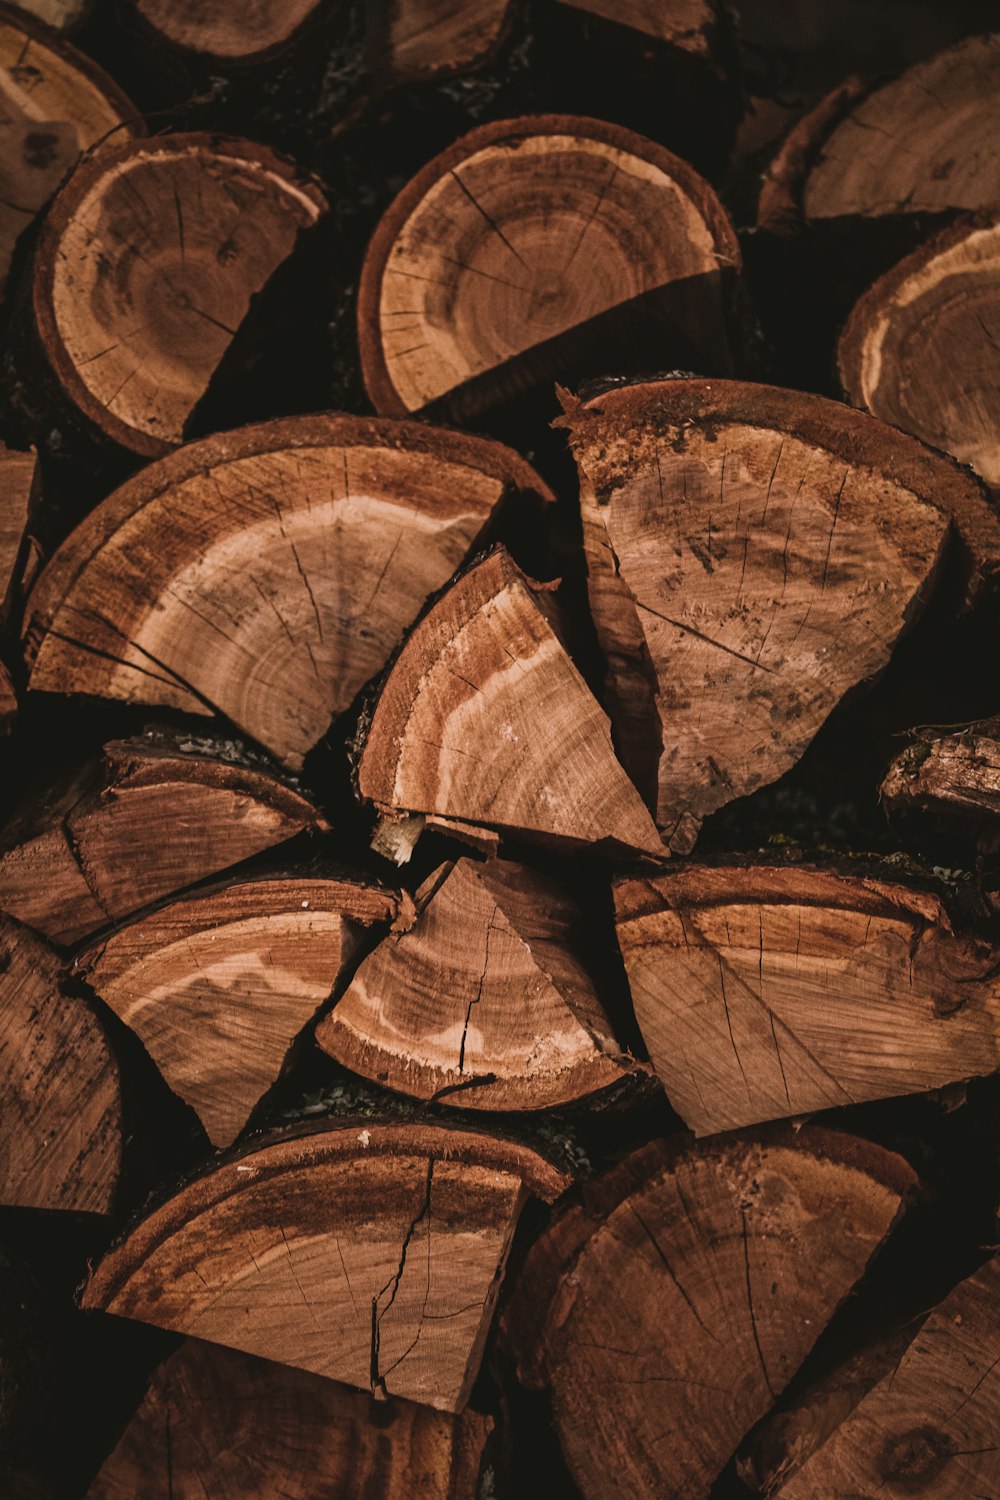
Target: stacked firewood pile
[500, 828]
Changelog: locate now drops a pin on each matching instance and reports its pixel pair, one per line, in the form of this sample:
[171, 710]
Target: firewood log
[154, 815]
[753, 556]
[371, 1253]
[225, 33]
[668, 1308]
[917, 1415]
[218, 984]
[265, 574]
[688, 24]
[144, 269]
[60, 1102]
[768, 991]
[541, 248]
[483, 719]
[219, 1422]
[950, 783]
[413, 41]
[484, 1002]
[919, 349]
[57, 104]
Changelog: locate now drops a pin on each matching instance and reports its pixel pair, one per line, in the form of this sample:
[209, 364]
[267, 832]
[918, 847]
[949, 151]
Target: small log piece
[950, 783]
[415, 41]
[368, 1253]
[266, 574]
[669, 1308]
[690, 25]
[227, 34]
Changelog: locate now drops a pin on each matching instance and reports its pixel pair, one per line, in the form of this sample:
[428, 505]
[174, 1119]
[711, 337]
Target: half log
[152, 816]
[484, 1002]
[369, 1253]
[668, 1308]
[753, 555]
[764, 992]
[950, 783]
[539, 249]
[218, 1422]
[265, 574]
[483, 719]
[217, 985]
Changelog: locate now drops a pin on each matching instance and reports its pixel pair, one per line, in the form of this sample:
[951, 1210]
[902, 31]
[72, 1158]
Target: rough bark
[950, 783]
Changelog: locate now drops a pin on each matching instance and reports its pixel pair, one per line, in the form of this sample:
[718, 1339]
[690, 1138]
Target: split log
[919, 349]
[60, 1103]
[218, 1422]
[368, 1253]
[690, 25]
[414, 41]
[153, 816]
[55, 104]
[265, 574]
[542, 248]
[669, 1308]
[143, 271]
[217, 985]
[753, 555]
[484, 1002]
[227, 34]
[483, 719]
[765, 992]
[916, 1415]
[951, 783]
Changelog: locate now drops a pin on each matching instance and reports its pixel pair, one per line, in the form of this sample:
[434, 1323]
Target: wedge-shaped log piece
[154, 815]
[484, 1002]
[265, 574]
[145, 268]
[529, 246]
[55, 104]
[484, 719]
[919, 349]
[417, 40]
[669, 1308]
[766, 992]
[753, 555]
[217, 985]
[369, 1253]
[248, 1429]
[217, 30]
[917, 1415]
[60, 1102]
[951, 782]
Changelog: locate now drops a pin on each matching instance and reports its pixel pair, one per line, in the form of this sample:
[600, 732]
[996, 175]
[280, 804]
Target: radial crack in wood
[484, 1003]
[369, 1253]
[952, 782]
[265, 574]
[669, 1308]
[154, 815]
[538, 249]
[249, 1429]
[219, 31]
[413, 41]
[60, 1102]
[484, 719]
[753, 555]
[766, 992]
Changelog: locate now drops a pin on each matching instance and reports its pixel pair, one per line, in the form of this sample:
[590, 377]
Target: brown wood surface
[413, 41]
[224, 32]
[19, 489]
[687, 24]
[951, 781]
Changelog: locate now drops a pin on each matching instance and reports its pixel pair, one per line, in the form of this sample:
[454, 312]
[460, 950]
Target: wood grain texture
[753, 555]
[227, 33]
[413, 41]
[218, 985]
[951, 782]
[219, 1423]
[368, 1253]
[668, 1309]
[484, 719]
[155, 815]
[764, 992]
[265, 574]
[484, 1002]
[60, 1103]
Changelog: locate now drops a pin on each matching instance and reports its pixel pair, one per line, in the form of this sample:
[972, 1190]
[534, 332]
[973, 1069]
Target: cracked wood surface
[217, 31]
[919, 1415]
[950, 782]
[484, 719]
[920, 348]
[669, 1307]
[765, 992]
[154, 815]
[145, 268]
[265, 574]
[369, 1253]
[214, 1421]
[60, 1104]
[217, 985]
[521, 232]
[483, 1003]
[753, 555]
